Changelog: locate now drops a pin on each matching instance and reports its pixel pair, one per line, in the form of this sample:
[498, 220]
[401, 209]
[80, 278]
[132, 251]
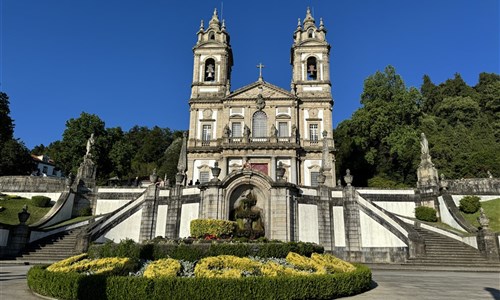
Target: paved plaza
[388, 285]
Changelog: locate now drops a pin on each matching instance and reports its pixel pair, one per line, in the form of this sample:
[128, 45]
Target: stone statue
[90, 144]
[246, 132]
[273, 130]
[227, 131]
[483, 219]
[424, 144]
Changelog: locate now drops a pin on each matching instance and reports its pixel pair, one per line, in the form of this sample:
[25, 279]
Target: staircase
[50, 249]
[442, 251]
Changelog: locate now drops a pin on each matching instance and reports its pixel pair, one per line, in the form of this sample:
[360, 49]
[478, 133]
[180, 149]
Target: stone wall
[473, 186]
[12, 184]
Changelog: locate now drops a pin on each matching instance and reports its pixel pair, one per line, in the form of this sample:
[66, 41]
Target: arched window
[259, 124]
[211, 36]
[312, 68]
[210, 70]
[310, 34]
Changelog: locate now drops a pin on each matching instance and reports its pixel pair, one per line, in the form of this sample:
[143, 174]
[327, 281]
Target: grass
[13, 205]
[491, 210]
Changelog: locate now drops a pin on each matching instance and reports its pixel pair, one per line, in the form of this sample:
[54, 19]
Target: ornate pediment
[252, 91]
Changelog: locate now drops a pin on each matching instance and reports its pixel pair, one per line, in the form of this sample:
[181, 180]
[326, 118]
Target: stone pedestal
[149, 214]
[487, 243]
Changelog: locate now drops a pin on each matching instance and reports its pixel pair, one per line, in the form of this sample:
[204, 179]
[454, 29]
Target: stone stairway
[50, 249]
[442, 251]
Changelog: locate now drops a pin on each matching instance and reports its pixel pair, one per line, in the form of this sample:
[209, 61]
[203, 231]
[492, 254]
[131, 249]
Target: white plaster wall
[64, 213]
[337, 194]
[164, 193]
[307, 170]
[401, 208]
[104, 206]
[128, 229]
[4, 237]
[309, 192]
[308, 223]
[446, 216]
[119, 190]
[161, 220]
[53, 196]
[386, 192]
[196, 167]
[338, 226]
[457, 198]
[374, 234]
[189, 212]
[191, 191]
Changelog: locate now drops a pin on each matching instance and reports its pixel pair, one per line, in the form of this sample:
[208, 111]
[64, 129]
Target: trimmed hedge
[77, 286]
[40, 201]
[196, 251]
[424, 213]
[212, 227]
[469, 204]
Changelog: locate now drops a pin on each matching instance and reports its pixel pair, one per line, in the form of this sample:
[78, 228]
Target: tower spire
[214, 22]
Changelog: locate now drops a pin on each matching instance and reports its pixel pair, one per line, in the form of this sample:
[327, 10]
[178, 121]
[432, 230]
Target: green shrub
[40, 201]
[156, 249]
[85, 211]
[213, 227]
[76, 286]
[424, 213]
[469, 204]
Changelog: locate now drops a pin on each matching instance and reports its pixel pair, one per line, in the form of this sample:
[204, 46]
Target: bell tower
[213, 60]
[310, 60]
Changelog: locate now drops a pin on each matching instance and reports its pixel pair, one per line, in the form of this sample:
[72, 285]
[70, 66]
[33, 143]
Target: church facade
[260, 126]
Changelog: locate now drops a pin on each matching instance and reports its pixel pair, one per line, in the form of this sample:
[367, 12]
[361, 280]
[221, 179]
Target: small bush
[217, 228]
[165, 267]
[85, 211]
[469, 204]
[40, 201]
[424, 213]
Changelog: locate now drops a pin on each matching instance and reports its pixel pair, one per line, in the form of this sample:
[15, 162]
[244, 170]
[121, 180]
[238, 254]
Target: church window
[206, 134]
[210, 70]
[310, 34]
[312, 68]
[314, 178]
[313, 133]
[283, 129]
[259, 124]
[204, 176]
[211, 36]
[236, 129]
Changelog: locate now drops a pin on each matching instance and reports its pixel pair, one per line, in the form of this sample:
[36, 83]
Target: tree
[381, 138]
[14, 156]
[6, 123]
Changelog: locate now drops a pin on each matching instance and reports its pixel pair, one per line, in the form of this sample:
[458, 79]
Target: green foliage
[469, 204]
[213, 227]
[384, 182]
[85, 211]
[75, 286]
[40, 201]
[491, 209]
[424, 213]
[381, 140]
[13, 204]
[157, 249]
[6, 122]
[15, 158]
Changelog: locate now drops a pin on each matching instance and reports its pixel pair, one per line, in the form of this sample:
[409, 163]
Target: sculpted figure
[424, 144]
[90, 143]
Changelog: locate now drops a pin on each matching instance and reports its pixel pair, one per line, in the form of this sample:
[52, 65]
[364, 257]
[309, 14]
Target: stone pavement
[388, 285]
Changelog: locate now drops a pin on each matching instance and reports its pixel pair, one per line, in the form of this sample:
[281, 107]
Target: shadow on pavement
[495, 293]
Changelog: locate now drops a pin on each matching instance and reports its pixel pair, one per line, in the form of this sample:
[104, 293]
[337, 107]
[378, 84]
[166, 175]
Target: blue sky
[130, 61]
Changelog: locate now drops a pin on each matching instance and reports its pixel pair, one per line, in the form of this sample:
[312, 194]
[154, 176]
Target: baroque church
[261, 126]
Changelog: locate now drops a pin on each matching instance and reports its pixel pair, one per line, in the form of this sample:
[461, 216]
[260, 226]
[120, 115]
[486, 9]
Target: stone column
[352, 220]
[149, 214]
[273, 168]
[487, 241]
[325, 218]
[293, 176]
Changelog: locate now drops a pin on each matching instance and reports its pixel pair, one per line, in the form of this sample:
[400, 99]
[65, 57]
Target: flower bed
[221, 277]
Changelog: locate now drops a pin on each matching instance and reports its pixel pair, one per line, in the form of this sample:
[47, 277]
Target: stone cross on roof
[260, 66]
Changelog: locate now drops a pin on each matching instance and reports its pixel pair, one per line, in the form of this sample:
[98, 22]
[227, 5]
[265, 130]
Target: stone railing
[31, 184]
[473, 186]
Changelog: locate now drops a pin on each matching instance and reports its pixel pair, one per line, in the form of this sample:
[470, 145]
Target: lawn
[491, 210]
[14, 206]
